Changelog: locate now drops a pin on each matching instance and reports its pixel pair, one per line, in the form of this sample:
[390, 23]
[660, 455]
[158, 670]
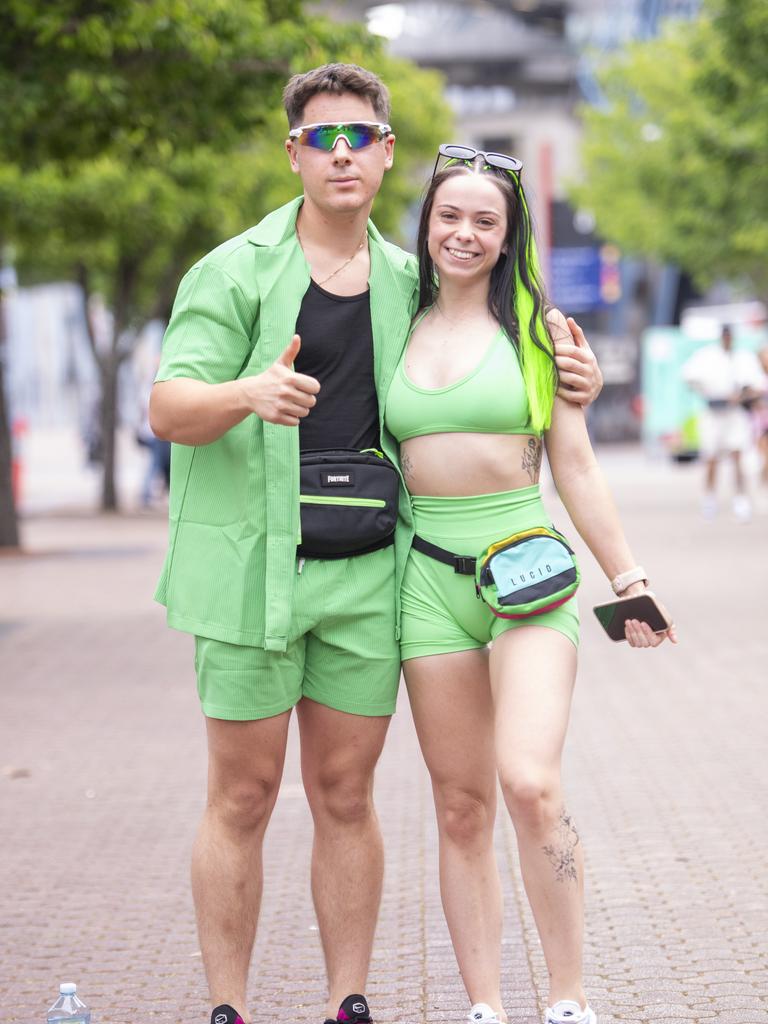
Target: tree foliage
[138, 135]
[675, 159]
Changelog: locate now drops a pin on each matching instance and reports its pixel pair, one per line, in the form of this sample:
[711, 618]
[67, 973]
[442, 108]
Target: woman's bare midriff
[454, 465]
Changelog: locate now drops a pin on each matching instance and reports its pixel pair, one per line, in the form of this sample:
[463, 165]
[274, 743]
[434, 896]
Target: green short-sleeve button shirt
[234, 507]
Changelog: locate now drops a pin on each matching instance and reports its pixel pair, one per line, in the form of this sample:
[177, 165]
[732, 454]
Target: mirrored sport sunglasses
[466, 154]
[356, 134]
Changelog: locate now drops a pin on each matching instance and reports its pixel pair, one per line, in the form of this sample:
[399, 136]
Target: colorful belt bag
[525, 574]
[348, 501]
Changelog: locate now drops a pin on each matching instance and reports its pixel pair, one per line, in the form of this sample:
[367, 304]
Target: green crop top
[489, 400]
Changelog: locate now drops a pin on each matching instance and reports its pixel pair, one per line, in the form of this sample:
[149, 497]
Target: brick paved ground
[102, 758]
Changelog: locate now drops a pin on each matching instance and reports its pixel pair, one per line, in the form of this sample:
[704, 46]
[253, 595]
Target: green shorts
[441, 612]
[342, 649]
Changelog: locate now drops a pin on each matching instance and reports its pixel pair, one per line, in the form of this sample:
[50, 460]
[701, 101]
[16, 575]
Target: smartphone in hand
[613, 615]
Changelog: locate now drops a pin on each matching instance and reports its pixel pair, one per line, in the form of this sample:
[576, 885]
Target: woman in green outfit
[472, 404]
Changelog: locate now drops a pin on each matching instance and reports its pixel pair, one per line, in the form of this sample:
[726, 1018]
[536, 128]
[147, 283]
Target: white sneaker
[742, 508]
[481, 1013]
[568, 1011]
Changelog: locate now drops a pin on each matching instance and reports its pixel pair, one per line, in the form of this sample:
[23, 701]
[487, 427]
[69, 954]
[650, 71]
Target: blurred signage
[617, 356]
[584, 277]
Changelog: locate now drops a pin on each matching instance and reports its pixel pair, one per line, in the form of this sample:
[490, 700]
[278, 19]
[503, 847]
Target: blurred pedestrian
[90, 429]
[157, 476]
[760, 418]
[729, 380]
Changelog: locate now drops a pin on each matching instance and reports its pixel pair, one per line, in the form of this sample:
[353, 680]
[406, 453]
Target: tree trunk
[109, 363]
[109, 369]
[9, 530]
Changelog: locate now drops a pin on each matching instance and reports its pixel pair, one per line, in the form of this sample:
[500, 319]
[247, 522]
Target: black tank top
[337, 350]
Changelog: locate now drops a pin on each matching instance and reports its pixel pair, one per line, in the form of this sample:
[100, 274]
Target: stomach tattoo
[532, 454]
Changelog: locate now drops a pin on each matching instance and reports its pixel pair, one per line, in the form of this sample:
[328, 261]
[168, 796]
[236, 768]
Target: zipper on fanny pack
[551, 535]
[320, 499]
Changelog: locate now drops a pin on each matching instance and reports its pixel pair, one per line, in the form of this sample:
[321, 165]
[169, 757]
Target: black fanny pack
[348, 502]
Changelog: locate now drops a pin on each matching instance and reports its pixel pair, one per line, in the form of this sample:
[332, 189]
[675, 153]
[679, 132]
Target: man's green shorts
[342, 648]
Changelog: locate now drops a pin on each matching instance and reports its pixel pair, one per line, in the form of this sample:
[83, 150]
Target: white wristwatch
[625, 579]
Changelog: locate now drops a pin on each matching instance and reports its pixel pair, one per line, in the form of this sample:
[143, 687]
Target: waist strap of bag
[463, 564]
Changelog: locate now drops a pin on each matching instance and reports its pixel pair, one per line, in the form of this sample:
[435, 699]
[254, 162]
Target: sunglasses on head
[468, 155]
[356, 134]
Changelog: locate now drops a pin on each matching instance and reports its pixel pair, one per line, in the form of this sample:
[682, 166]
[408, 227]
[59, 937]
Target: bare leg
[738, 472]
[762, 447]
[453, 712]
[338, 757]
[245, 765]
[532, 674]
[710, 476]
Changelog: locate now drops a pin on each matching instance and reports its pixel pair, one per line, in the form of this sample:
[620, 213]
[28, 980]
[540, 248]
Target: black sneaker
[354, 1010]
[226, 1014]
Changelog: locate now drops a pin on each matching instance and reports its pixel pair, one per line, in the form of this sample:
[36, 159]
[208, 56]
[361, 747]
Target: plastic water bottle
[68, 1007]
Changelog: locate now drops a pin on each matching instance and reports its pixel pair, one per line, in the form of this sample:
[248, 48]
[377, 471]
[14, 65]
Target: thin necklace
[453, 324]
[346, 262]
[440, 313]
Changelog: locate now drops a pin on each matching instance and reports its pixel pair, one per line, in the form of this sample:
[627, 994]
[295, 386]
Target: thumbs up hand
[291, 352]
[279, 394]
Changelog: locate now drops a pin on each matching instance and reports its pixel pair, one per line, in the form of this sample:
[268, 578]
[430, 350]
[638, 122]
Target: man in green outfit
[283, 340]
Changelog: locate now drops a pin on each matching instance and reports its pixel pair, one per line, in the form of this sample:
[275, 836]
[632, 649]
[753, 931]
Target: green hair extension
[535, 348]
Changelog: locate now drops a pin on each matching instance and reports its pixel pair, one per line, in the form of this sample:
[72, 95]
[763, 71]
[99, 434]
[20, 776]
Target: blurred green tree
[139, 136]
[674, 161]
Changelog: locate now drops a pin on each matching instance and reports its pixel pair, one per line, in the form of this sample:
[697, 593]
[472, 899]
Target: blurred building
[515, 72]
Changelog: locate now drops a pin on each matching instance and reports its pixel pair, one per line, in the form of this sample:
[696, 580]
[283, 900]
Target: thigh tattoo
[560, 853]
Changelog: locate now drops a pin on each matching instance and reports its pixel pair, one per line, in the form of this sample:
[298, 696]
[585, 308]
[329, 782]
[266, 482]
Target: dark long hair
[516, 296]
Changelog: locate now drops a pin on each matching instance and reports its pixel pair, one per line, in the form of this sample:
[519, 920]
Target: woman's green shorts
[441, 612]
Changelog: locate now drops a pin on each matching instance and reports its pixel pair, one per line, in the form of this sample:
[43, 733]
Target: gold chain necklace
[346, 262]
